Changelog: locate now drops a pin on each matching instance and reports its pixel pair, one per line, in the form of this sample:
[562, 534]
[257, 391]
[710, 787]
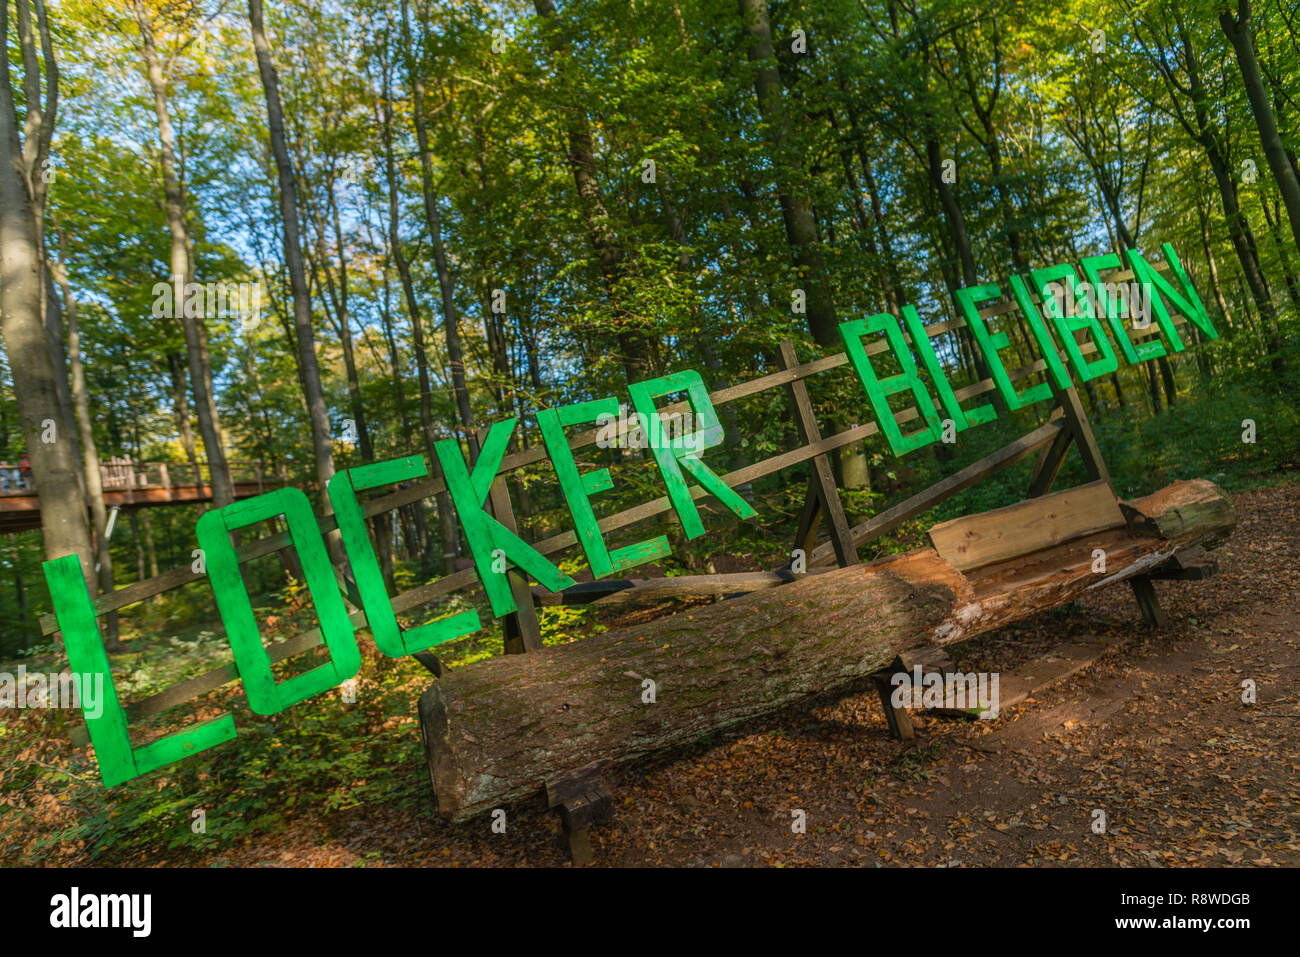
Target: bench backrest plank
[974, 541]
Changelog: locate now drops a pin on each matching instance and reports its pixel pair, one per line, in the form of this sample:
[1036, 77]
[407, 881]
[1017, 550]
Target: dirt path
[1154, 735]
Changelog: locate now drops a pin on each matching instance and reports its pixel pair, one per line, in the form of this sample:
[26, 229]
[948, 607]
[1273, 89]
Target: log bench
[503, 729]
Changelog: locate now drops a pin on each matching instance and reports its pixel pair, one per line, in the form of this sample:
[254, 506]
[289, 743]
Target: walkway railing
[124, 473]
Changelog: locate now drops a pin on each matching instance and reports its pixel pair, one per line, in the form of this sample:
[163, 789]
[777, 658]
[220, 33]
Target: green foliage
[532, 169]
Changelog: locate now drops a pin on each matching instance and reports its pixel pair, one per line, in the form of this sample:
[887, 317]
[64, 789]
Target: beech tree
[47, 439]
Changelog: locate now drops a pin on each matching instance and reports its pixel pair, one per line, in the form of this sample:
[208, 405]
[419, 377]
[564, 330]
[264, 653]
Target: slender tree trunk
[394, 359]
[343, 323]
[180, 408]
[1238, 32]
[965, 255]
[20, 593]
[1155, 367]
[1213, 268]
[1153, 387]
[1283, 254]
[449, 536]
[150, 553]
[1243, 244]
[308, 370]
[134, 521]
[90, 454]
[796, 210]
[1243, 240]
[639, 354]
[195, 338]
[451, 323]
[1167, 378]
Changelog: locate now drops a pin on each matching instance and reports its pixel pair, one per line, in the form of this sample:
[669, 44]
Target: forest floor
[1154, 734]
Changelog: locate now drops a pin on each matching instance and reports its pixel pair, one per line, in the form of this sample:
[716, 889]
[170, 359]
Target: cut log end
[1185, 512]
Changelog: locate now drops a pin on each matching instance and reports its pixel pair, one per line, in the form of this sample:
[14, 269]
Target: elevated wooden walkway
[130, 485]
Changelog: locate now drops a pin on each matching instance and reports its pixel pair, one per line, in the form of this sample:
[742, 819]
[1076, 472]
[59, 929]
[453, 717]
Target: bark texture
[497, 730]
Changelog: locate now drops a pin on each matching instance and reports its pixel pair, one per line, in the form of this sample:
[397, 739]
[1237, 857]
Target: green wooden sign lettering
[683, 452]
[265, 696]
[578, 490]
[678, 453]
[879, 391]
[118, 760]
[391, 639]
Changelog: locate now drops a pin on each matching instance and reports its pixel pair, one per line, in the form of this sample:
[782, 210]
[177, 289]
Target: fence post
[823, 493]
[522, 631]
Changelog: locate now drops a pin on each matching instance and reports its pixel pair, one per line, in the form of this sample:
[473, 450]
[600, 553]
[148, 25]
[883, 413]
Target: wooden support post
[930, 658]
[927, 498]
[1049, 463]
[288, 554]
[810, 517]
[1077, 420]
[582, 799]
[1190, 565]
[900, 722]
[1148, 601]
[522, 631]
[822, 485]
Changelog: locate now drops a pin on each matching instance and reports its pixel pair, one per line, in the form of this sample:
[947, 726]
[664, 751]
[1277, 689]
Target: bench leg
[1148, 602]
[900, 722]
[582, 798]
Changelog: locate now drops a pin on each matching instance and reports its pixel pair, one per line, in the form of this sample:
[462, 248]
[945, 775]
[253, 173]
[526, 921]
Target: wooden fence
[1067, 423]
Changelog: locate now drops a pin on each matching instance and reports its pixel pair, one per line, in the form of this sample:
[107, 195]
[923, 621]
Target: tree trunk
[451, 323]
[90, 454]
[796, 210]
[449, 537]
[134, 521]
[1243, 240]
[1238, 32]
[1283, 254]
[52, 311]
[1213, 267]
[308, 370]
[639, 354]
[1243, 244]
[200, 366]
[343, 323]
[1167, 378]
[497, 730]
[55, 468]
[181, 410]
[150, 552]
[20, 592]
